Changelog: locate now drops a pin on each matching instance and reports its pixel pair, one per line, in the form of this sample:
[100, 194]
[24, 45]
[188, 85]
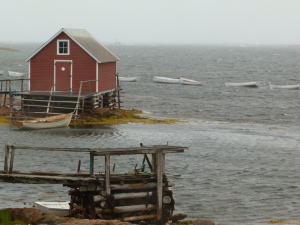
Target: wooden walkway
[98, 195]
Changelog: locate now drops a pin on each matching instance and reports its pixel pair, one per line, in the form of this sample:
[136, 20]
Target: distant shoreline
[8, 49]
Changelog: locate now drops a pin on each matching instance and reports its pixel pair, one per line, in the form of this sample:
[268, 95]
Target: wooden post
[82, 113]
[79, 164]
[159, 169]
[22, 85]
[91, 164]
[154, 163]
[12, 156]
[6, 158]
[107, 173]
[92, 206]
[118, 91]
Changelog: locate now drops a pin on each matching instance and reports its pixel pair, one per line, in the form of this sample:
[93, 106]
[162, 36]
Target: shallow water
[242, 164]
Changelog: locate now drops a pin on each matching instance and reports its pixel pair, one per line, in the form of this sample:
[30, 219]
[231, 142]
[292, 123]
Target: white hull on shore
[243, 84]
[15, 74]
[290, 87]
[166, 80]
[55, 208]
[45, 123]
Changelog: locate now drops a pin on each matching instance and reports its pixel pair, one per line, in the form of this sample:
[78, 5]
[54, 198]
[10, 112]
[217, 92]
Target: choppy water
[242, 165]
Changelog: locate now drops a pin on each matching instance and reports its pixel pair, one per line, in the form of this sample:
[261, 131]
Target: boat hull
[243, 84]
[45, 123]
[128, 79]
[290, 87]
[15, 74]
[185, 81]
[166, 80]
[55, 208]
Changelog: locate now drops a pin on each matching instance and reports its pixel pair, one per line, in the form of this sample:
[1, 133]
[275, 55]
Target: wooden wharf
[37, 104]
[128, 197]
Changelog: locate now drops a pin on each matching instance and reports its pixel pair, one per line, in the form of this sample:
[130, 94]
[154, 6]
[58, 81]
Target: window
[63, 47]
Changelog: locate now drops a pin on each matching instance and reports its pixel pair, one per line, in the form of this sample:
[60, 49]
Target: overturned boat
[290, 87]
[166, 80]
[242, 84]
[189, 82]
[128, 79]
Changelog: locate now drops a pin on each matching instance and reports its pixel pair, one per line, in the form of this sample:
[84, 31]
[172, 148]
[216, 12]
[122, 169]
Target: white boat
[166, 80]
[128, 79]
[243, 84]
[45, 123]
[189, 82]
[55, 208]
[291, 87]
[15, 74]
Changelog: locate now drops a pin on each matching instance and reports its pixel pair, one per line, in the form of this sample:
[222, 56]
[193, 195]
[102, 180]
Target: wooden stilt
[107, 174]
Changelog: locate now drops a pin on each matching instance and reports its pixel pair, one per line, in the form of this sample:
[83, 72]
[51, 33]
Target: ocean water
[242, 165]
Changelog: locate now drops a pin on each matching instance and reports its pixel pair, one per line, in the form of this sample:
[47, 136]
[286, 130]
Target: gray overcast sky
[155, 21]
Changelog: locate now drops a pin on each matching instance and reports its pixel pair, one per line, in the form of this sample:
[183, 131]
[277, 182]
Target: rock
[203, 222]
[104, 112]
[34, 216]
[179, 216]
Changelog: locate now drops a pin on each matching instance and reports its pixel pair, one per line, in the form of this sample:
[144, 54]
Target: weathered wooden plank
[12, 157]
[6, 158]
[159, 169]
[133, 186]
[133, 195]
[122, 209]
[107, 174]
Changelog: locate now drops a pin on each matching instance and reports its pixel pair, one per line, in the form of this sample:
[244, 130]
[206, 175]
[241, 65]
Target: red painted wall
[107, 76]
[83, 68]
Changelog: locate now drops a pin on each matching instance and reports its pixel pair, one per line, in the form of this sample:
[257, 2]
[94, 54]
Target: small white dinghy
[243, 84]
[189, 82]
[55, 208]
[15, 74]
[128, 79]
[166, 80]
[45, 123]
[290, 87]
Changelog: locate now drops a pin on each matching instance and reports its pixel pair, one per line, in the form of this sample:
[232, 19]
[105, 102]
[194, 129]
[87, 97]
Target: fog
[155, 21]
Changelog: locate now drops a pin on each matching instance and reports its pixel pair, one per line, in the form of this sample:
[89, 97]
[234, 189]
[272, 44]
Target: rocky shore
[38, 217]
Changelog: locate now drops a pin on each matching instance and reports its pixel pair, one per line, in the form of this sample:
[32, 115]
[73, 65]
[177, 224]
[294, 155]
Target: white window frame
[63, 40]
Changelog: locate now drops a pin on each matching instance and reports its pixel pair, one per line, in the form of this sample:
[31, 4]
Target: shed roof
[87, 42]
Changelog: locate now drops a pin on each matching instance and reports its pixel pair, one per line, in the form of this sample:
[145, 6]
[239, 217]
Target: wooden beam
[133, 186]
[129, 208]
[159, 169]
[6, 158]
[107, 174]
[91, 164]
[12, 157]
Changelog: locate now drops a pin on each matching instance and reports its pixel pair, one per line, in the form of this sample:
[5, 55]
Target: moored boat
[290, 87]
[166, 80]
[189, 82]
[45, 123]
[15, 74]
[242, 84]
[128, 79]
[55, 208]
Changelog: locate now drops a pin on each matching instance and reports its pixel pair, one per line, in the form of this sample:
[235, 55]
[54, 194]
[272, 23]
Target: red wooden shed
[69, 57]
